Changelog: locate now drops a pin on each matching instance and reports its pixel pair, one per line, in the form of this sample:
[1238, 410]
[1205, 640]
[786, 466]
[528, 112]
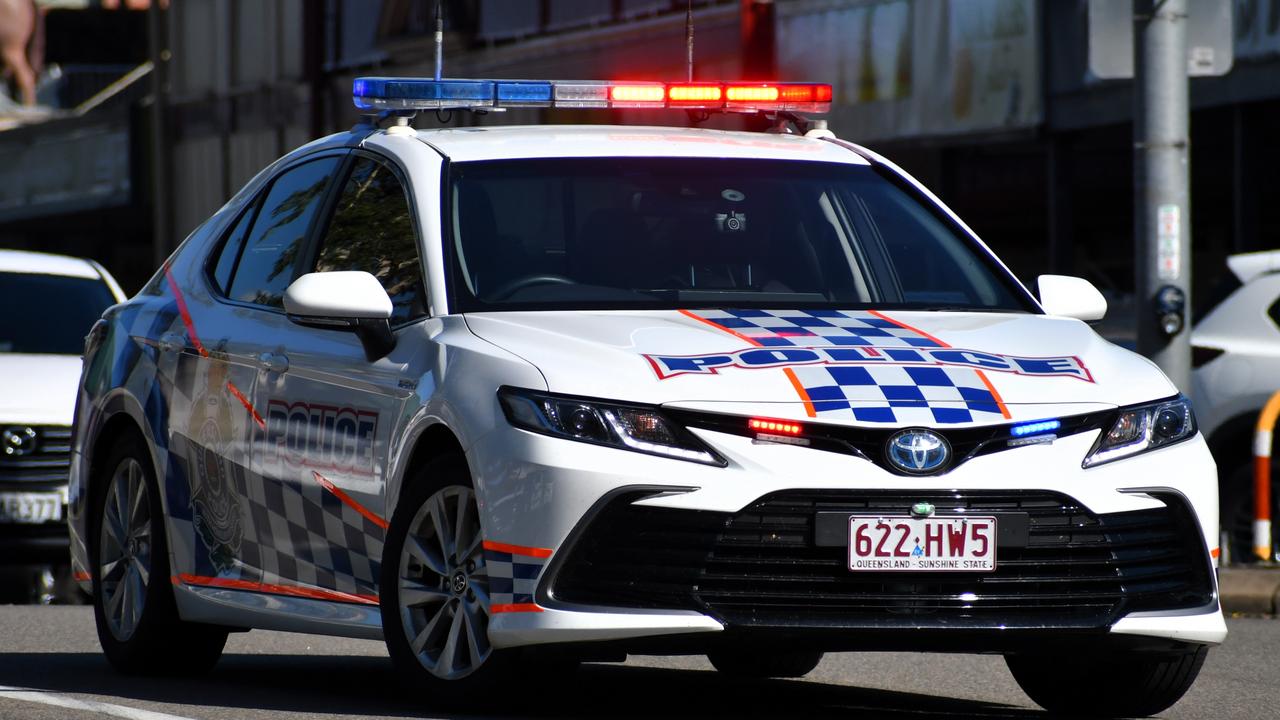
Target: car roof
[38, 263]
[553, 141]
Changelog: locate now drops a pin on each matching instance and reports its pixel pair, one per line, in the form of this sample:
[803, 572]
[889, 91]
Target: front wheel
[138, 624]
[1111, 684]
[435, 585]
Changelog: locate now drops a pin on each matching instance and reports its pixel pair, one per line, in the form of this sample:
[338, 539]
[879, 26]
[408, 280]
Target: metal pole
[162, 220]
[1162, 195]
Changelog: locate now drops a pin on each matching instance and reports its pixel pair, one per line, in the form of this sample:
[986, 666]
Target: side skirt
[269, 611]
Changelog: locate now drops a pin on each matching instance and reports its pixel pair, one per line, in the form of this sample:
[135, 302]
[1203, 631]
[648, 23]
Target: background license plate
[933, 544]
[31, 507]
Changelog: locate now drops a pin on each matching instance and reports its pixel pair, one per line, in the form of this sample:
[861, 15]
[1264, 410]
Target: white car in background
[50, 302]
[1236, 360]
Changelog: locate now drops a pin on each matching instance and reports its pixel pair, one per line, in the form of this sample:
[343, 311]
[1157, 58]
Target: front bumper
[686, 555]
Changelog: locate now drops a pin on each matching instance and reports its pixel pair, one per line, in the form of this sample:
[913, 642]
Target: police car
[496, 394]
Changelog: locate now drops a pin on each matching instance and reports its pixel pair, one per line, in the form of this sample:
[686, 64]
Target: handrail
[1262, 478]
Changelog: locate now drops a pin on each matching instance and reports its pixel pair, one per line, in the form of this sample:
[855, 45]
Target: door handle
[173, 342]
[273, 362]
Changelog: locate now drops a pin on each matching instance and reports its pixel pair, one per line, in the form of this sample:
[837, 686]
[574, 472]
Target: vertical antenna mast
[440, 40]
[688, 36]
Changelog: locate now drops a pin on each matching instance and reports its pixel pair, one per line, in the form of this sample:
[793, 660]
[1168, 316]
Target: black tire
[756, 665]
[1108, 684]
[158, 642]
[464, 679]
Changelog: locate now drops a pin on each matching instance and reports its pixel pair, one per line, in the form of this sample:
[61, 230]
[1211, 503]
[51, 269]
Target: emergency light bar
[385, 93]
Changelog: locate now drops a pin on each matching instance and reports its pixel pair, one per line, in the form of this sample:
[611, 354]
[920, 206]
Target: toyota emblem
[918, 451]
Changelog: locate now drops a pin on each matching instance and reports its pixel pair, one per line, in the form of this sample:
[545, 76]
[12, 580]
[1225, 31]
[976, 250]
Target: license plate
[31, 507]
[932, 544]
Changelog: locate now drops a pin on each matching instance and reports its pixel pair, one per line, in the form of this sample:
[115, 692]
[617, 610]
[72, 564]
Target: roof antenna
[688, 36]
[440, 40]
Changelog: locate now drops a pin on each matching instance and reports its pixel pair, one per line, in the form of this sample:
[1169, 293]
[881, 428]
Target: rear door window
[277, 240]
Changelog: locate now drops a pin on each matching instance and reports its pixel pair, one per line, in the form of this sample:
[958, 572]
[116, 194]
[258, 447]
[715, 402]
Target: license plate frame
[32, 508]
[886, 549]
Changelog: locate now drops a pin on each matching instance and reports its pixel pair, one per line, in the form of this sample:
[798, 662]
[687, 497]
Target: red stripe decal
[82, 576]
[514, 607]
[186, 315]
[348, 500]
[302, 591]
[518, 549]
[247, 405]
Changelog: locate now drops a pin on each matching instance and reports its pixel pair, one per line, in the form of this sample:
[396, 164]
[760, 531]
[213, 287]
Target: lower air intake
[761, 567]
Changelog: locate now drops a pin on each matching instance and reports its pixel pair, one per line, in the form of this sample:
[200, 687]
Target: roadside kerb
[1255, 591]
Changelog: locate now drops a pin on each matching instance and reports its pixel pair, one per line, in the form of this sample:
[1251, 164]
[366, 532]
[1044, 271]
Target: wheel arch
[434, 440]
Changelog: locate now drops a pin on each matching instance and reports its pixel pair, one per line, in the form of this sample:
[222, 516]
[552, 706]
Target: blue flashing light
[403, 93]
[1035, 428]
[514, 93]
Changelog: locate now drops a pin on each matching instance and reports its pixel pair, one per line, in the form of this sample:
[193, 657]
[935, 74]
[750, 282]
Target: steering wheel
[510, 288]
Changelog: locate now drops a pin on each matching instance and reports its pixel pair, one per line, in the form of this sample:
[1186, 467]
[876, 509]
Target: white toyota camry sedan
[493, 394]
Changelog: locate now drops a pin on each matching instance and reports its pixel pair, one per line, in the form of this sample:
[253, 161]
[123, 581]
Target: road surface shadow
[364, 685]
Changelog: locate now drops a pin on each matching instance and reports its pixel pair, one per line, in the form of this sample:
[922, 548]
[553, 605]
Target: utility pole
[1162, 194]
[162, 242]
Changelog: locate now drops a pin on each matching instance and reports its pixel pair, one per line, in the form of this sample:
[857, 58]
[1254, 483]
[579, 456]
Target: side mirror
[344, 300]
[1072, 297]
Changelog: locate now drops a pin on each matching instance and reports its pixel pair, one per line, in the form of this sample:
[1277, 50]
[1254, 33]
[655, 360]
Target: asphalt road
[50, 667]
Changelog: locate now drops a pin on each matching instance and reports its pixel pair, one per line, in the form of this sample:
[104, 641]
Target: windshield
[49, 313]
[618, 233]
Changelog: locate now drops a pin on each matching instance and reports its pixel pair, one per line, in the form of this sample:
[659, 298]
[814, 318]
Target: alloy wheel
[443, 585]
[125, 545]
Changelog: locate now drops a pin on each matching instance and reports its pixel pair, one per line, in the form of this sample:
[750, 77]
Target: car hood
[898, 368]
[38, 389]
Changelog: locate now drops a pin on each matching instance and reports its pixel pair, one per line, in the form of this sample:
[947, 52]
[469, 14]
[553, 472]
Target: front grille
[761, 566]
[47, 458]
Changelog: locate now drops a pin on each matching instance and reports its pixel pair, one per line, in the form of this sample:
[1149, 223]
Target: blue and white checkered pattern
[817, 328]
[873, 393]
[897, 394]
[513, 578]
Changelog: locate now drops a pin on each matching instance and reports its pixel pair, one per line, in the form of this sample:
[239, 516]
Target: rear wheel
[138, 624]
[1114, 684]
[763, 664]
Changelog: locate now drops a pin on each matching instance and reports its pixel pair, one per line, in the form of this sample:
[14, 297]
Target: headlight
[629, 427]
[1144, 427]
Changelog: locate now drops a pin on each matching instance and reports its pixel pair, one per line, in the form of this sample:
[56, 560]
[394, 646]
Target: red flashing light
[694, 94]
[637, 93]
[774, 426]
[751, 93]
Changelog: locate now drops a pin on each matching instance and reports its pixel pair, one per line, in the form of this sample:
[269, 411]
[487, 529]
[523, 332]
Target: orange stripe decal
[804, 394]
[514, 607]
[720, 327]
[186, 315]
[905, 326]
[518, 549]
[82, 576]
[247, 405]
[1214, 553]
[302, 591]
[1004, 410]
[349, 501]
